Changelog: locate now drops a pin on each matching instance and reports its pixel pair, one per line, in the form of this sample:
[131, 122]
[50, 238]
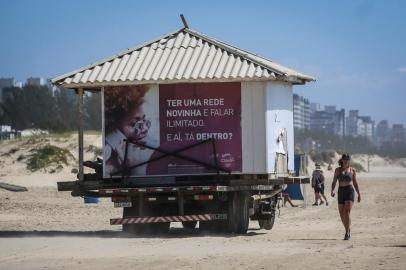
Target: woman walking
[347, 178]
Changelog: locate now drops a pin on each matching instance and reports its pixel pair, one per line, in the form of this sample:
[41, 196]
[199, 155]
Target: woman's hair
[346, 157]
[119, 101]
[340, 162]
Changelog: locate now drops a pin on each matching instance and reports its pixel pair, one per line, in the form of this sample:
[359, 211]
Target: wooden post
[80, 133]
[184, 21]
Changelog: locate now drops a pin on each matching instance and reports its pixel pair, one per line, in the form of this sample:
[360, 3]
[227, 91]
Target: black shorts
[319, 189]
[345, 194]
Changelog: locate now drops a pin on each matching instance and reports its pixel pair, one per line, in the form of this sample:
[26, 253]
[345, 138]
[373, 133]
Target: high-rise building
[352, 123]
[35, 81]
[366, 127]
[398, 133]
[329, 119]
[301, 112]
[6, 83]
[357, 125]
[382, 132]
[314, 107]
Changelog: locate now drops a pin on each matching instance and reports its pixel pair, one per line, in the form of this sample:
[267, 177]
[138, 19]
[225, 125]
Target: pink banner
[192, 113]
[169, 118]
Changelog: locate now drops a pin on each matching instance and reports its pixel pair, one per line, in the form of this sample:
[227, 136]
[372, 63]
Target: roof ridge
[235, 50]
[108, 59]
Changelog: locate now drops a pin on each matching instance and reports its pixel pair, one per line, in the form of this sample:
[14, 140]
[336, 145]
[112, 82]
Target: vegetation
[38, 107]
[46, 156]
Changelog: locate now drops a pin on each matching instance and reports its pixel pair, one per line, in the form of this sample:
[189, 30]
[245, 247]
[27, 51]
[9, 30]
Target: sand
[46, 229]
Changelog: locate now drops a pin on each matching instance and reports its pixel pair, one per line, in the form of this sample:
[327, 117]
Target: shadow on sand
[313, 239]
[173, 233]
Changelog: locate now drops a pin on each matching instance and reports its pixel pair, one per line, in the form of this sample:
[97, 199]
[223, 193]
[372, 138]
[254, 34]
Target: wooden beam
[184, 21]
[80, 133]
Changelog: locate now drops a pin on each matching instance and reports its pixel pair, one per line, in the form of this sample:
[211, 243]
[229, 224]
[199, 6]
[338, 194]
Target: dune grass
[46, 156]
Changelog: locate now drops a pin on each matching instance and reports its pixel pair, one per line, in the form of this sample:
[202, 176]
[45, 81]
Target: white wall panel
[253, 127]
[279, 115]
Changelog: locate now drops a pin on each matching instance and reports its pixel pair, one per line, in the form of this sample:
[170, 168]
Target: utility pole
[369, 159]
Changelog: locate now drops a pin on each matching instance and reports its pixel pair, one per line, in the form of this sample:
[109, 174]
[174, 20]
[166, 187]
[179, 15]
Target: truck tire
[238, 212]
[267, 224]
[231, 224]
[243, 217]
[189, 224]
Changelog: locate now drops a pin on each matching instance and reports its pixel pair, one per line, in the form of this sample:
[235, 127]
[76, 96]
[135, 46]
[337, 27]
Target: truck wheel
[267, 224]
[243, 217]
[238, 212]
[232, 206]
[189, 224]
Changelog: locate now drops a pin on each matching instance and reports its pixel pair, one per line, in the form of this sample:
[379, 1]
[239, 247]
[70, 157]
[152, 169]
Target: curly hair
[119, 101]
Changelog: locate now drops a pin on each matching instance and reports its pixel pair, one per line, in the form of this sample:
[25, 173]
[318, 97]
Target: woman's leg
[341, 211]
[347, 215]
[324, 196]
[321, 200]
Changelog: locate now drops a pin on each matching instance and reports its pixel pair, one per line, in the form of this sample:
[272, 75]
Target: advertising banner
[175, 123]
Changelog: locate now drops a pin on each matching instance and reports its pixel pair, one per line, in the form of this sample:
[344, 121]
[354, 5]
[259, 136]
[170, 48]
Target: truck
[194, 131]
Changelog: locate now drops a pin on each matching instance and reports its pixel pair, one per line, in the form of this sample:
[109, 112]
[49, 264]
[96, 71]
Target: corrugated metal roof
[181, 56]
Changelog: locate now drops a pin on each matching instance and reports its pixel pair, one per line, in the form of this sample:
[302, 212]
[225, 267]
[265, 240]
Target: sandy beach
[46, 229]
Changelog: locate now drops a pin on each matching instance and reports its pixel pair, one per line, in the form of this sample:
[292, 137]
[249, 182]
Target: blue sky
[356, 49]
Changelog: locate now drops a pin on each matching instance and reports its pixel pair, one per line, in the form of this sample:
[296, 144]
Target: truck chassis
[219, 201]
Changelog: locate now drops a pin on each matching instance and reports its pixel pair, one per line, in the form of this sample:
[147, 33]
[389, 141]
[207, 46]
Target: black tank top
[345, 176]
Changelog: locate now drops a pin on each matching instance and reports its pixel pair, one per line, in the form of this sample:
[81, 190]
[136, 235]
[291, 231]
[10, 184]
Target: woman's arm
[354, 180]
[333, 185]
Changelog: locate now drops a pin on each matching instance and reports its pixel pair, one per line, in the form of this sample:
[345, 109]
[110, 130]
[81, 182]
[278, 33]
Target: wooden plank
[73, 185]
[297, 180]
[13, 188]
[266, 196]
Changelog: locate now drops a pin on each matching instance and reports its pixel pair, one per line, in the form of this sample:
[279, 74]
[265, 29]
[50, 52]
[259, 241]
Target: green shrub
[46, 156]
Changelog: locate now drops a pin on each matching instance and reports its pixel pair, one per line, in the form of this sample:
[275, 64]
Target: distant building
[352, 123]
[382, 133]
[314, 107]
[357, 125]
[398, 133]
[6, 83]
[329, 119]
[301, 112]
[366, 127]
[35, 81]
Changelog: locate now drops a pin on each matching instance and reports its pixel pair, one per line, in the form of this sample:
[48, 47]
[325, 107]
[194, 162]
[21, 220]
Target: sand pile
[15, 155]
